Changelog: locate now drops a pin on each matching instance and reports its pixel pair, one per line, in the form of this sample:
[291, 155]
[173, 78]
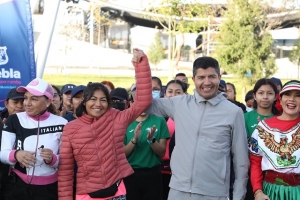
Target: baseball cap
[291, 85]
[223, 83]
[38, 87]
[14, 94]
[119, 93]
[67, 88]
[77, 89]
[277, 81]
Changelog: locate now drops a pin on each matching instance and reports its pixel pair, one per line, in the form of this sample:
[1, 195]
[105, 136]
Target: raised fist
[137, 55]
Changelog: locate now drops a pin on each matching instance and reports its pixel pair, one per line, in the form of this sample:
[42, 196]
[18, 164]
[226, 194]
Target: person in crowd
[95, 140]
[264, 93]
[109, 85]
[119, 98]
[66, 91]
[156, 87]
[30, 144]
[249, 100]
[274, 150]
[76, 99]
[145, 144]
[183, 78]
[222, 86]
[278, 83]
[173, 88]
[213, 138]
[231, 95]
[13, 104]
[57, 98]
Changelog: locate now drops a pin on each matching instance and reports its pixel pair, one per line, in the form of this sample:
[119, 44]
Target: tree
[245, 42]
[295, 55]
[155, 53]
[176, 13]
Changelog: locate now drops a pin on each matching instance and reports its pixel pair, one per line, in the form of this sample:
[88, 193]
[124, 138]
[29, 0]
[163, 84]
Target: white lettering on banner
[3, 55]
[9, 74]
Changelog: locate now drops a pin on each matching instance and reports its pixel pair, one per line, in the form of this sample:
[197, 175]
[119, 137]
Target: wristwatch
[151, 141]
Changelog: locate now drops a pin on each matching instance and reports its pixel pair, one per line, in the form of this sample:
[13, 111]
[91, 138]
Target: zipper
[98, 152]
[193, 161]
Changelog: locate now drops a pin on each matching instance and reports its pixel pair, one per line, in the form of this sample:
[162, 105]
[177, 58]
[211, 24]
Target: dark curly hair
[87, 95]
[204, 63]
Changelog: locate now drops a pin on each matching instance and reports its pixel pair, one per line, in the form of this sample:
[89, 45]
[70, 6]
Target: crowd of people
[101, 142]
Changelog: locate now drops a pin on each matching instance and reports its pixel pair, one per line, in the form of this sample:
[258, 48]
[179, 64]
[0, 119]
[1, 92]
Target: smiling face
[290, 102]
[97, 105]
[174, 89]
[207, 82]
[35, 105]
[265, 96]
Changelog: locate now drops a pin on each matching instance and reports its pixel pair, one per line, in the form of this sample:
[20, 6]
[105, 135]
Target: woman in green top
[264, 93]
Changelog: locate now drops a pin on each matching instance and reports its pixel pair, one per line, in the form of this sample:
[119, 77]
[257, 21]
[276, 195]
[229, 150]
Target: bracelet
[132, 142]
[257, 191]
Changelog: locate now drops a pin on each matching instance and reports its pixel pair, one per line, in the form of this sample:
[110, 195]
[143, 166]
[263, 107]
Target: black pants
[21, 190]
[144, 184]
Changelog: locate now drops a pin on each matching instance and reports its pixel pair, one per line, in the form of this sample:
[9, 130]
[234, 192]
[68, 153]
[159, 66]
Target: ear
[48, 102]
[5, 103]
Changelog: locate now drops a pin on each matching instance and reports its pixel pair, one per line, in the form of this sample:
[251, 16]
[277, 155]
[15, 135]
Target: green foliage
[155, 53]
[295, 53]
[178, 9]
[244, 44]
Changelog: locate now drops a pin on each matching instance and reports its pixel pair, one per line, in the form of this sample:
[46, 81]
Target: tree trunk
[179, 45]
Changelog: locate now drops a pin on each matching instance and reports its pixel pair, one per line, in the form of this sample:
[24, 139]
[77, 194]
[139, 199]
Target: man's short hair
[204, 63]
[180, 74]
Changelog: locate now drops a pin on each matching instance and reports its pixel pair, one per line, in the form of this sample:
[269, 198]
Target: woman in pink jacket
[95, 140]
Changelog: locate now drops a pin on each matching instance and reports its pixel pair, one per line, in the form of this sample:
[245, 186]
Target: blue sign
[17, 65]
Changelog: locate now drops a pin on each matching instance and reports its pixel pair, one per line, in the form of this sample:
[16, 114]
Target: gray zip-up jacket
[208, 134]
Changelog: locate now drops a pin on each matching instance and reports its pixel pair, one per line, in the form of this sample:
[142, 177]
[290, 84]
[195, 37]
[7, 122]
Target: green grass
[125, 82]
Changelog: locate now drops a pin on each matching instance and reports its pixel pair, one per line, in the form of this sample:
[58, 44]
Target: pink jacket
[97, 144]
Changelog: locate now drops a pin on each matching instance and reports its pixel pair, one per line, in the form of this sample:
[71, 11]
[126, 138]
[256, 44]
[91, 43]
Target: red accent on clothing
[277, 103]
[256, 174]
[291, 179]
[282, 125]
[42, 117]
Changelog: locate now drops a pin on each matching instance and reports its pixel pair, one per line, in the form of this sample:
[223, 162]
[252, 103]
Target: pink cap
[38, 87]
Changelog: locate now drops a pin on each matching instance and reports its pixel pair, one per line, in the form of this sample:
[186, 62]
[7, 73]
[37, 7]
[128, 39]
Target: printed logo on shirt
[283, 149]
[254, 125]
[51, 129]
[19, 145]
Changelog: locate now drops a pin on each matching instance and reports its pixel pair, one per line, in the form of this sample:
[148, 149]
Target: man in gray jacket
[210, 131]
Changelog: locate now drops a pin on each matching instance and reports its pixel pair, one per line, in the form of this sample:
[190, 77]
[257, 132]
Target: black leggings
[144, 184]
[24, 191]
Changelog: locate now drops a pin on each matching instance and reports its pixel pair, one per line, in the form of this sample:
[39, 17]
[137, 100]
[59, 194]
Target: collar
[213, 101]
[89, 120]
[42, 117]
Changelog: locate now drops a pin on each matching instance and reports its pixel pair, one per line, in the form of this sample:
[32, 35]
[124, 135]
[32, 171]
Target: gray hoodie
[208, 134]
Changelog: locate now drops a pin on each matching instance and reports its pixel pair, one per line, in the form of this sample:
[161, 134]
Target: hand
[137, 132]
[261, 196]
[63, 111]
[151, 133]
[137, 56]
[47, 155]
[26, 158]
[4, 120]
